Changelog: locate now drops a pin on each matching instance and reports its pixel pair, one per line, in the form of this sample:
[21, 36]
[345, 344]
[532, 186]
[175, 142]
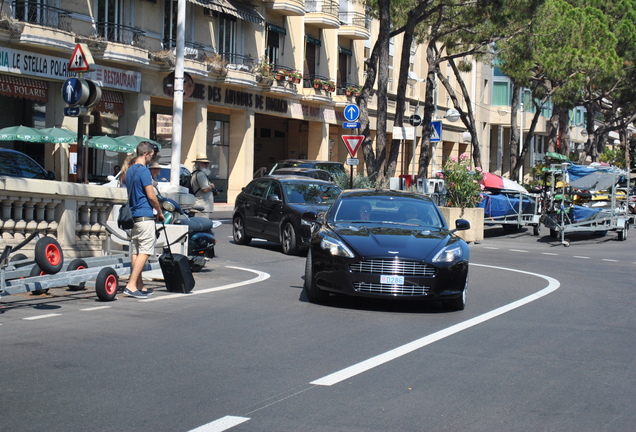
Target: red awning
[112, 102]
[26, 88]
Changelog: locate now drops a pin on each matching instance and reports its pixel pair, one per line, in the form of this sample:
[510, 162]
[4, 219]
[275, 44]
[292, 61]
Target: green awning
[277, 29]
[313, 41]
[345, 51]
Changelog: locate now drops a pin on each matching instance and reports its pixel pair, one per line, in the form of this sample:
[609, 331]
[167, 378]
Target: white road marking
[518, 250]
[41, 317]
[549, 253]
[581, 257]
[378, 360]
[491, 247]
[95, 308]
[261, 276]
[222, 424]
[609, 260]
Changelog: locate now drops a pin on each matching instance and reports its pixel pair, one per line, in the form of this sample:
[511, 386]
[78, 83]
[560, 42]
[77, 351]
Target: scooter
[201, 240]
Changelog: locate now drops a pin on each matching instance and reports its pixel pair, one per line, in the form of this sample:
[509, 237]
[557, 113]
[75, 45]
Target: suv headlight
[449, 254]
[335, 247]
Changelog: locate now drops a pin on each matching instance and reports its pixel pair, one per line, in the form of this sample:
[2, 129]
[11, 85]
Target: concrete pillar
[138, 115]
[195, 126]
[318, 142]
[241, 152]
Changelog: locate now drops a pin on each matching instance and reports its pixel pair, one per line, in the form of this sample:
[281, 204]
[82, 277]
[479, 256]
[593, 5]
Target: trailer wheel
[37, 271]
[77, 264]
[48, 255]
[553, 233]
[106, 284]
[18, 257]
[622, 234]
[536, 230]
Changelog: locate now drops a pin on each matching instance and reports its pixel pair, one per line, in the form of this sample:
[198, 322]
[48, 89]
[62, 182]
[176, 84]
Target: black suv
[271, 208]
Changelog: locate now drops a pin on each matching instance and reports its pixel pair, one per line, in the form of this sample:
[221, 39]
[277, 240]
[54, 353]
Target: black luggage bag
[176, 270]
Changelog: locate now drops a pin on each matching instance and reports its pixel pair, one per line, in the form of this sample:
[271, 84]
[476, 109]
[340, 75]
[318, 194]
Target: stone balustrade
[69, 212]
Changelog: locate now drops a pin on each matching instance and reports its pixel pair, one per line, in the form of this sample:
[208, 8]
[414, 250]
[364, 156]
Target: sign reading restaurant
[31, 64]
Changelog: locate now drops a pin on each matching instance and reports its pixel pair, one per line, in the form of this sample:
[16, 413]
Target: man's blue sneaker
[136, 294]
[148, 292]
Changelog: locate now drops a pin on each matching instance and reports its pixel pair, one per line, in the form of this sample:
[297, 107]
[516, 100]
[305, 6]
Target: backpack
[189, 185]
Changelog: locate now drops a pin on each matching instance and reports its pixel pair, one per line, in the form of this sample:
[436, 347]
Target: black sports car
[386, 244]
[272, 207]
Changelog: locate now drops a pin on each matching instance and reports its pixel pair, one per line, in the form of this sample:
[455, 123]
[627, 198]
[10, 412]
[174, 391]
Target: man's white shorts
[143, 238]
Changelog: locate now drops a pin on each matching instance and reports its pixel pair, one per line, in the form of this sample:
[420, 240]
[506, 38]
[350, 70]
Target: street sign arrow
[352, 142]
[351, 112]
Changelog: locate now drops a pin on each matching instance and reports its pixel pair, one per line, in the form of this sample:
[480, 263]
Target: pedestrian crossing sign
[436, 131]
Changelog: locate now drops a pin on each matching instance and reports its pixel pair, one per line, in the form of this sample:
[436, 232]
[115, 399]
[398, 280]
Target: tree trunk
[514, 132]
[383, 80]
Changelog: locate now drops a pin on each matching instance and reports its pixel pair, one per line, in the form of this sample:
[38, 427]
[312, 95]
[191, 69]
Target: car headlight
[335, 247]
[449, 254]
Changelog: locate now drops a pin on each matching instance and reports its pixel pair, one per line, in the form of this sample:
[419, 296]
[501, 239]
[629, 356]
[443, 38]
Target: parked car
[332, 167]
[16, 164]
[316, 173]
[271, 208]
[163, 178]
[386, 244]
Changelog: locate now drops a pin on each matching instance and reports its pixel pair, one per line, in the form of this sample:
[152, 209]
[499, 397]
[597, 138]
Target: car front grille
[393, 267]
[391, 290]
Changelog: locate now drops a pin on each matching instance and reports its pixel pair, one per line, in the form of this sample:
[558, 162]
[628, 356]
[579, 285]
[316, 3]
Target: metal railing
[328, 7]
[119, 33]
[41, 14]
[239, 61]
[192, 49]
[353, 19]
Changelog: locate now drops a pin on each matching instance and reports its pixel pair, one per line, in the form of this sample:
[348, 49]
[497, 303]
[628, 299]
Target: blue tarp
[504, 205]
[580, 213]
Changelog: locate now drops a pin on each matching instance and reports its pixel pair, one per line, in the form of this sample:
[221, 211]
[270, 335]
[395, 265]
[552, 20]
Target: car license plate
[392, 280]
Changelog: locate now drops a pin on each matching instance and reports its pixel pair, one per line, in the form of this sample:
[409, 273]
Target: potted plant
[295, 76]
[329, 85]
[281, 74]
[318, 83]
[463, 189]
[352, 90]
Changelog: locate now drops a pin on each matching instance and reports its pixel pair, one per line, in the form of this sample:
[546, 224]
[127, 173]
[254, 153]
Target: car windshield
[311, 193]
[387, 209]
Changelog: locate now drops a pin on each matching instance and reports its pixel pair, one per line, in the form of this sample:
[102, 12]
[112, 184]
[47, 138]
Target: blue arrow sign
[351, 112]
[436, 131]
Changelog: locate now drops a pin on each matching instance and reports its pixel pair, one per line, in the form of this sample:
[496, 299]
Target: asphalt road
[546, 343]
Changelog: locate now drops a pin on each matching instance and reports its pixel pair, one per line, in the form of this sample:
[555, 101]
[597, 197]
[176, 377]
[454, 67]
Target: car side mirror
[273, 198]
[50, 175]
[462, 225]
[309, 223]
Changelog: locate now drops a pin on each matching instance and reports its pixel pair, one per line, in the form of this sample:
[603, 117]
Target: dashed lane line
[33, 318]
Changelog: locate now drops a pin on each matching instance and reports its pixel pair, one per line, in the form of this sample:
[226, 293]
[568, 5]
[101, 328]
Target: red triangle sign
[80, 60]
[353, 143]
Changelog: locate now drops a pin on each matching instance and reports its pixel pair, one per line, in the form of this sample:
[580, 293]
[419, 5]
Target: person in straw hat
[202, 188]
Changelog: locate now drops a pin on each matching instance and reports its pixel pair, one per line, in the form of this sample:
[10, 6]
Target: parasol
[58, 135]
[21, 133]
[134, 140]
[109, 143]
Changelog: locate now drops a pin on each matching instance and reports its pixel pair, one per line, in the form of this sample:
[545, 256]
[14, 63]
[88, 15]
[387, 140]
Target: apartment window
[227, 37]
[311, 55]
[275, 40]
[110, 17]
[344, 65]
[170, 23]
[500, 93]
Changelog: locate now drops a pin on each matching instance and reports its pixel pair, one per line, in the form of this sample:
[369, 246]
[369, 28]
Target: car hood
[316, 208]
[382, 240]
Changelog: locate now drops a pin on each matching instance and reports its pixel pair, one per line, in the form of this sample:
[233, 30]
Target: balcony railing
[328, 7]
[353, 19]
[240, 62]
[122, 34]
[41, 14]
[192, 49]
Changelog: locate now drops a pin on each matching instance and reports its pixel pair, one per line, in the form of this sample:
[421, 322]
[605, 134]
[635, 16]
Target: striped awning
[232, 7]
[26, 88]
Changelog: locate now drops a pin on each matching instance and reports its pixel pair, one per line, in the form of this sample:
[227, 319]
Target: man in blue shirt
[145, 209]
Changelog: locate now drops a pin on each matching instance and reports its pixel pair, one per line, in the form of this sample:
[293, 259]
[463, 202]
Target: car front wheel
[313, 293]
[459, 303]
[238, 231]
